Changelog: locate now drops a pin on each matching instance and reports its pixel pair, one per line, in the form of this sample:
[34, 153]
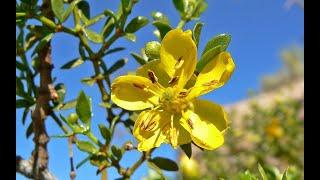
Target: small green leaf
[222, 40]
[108, 27]
[130, 37]
[87, 146]
[83, 161]
[158, 16]
[68, 11]
[58, 9]
[285, 175]
[84, 10]
[207, 57]
[24, 115]
[162, 27]
[42, 43]
[196, 33]
[165, 164]
[88, 81]
[180, 5]
[62, 135]
[138, 58]
[117, 152]
[110, 51]
[262, 172]
[69, 105]
[73, 63]
[187, 149]
[93, 36]
[83, 108]
[20, 66]
[126, 6]
[19, 87]
[99, 160]
[22, 103]
[119, 64]
[94, 19]
[152, 50]
[111, 14]
[136, 23]
[29, 130]
[105, 132]
[201, 7]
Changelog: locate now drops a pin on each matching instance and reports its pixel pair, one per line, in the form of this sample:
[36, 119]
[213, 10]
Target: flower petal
[204, 133]
[176, 133]
[214, 75]
[134, 92]
[211, 112]
[154, 66]
[148, 129]
[178, 55]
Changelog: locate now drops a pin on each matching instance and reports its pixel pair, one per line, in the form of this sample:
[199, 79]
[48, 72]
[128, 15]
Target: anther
[190, 123]
[173, 80]
[179, 63]
[183, 94]
[213, 82]
[152, 76]
[140, 86]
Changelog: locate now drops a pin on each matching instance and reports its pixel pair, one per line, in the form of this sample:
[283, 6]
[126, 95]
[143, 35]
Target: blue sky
[259, 29]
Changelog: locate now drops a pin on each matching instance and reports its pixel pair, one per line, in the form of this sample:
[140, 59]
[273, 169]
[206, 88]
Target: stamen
[179, 63]
[140, 86]
[183, 94]
[190, 123]
[210, 83]
[173, 80]
[152, 76]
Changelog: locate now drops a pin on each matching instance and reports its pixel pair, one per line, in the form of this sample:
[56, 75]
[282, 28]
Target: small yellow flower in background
[274, 129]
[167, 91]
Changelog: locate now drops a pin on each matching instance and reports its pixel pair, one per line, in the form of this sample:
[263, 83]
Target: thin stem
[182, 22]
[72, 171]
[59, 122]
[49, 23]
[94, 139]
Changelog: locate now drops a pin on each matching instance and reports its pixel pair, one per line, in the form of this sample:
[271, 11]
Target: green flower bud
[152, 50]
[73, 118]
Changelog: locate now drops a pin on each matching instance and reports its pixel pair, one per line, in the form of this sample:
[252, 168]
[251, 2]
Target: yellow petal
[176, 133]
[134, 92]
[148, 129]
[178, 55]
[214, 75]
[154, 66]
[211, 112]
[203, 133]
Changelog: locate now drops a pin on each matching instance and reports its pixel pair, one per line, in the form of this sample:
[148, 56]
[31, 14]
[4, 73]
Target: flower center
[173, 99]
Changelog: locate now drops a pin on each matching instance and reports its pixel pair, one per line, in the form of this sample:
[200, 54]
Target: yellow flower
[274, 129]
[166, 89]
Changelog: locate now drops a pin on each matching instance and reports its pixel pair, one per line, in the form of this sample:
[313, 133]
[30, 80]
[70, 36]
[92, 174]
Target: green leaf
[117, 152]
[111, 14]
[207, 57]
[87, 146]
[93, 36]
[73, 63]
[20, 39]
[138, 58]
[152, 50]
[262, 172]
[29, 130]
[105, 132]
[83, 161]
[285, 175]
[158, 16]
[126, 6]
[58, 9]
[108, 27]
[84, 10]
[187, 149]
[165, 164]
[110, 51]
[222, 40]
[24, 115]
[42, 43]
[99, 160]
[20, 66]
[83, 108]
[154, 167]
[62, 135]
[180, 5]
[88, 81]
[196, 33]
[69, 105]
[136, 23]
[119, 64]
[94, 19]
[130, 37]
[19, 87]
[68, 11]
[22, 103]
[201, 7]
[162, 27]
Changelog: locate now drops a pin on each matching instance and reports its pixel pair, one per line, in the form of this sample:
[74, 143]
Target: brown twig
[42, 109]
